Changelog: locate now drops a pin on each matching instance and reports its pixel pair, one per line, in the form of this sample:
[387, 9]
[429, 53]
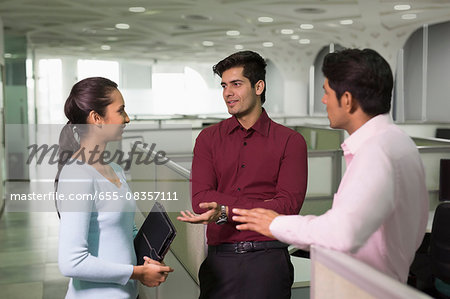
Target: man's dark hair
[253, 64]
[363, 73]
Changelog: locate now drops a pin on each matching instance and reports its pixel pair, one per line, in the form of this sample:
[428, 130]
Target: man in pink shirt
[379, 213]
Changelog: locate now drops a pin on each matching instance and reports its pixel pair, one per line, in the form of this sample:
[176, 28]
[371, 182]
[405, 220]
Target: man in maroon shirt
[246, 161]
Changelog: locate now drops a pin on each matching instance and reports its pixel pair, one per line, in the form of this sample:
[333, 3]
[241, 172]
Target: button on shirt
[262, 167]
[379, 213]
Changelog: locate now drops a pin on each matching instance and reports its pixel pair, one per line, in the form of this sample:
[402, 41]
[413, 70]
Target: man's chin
[331, 124]
[232, 111]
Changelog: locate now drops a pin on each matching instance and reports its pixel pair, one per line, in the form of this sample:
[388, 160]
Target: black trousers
[252, 275]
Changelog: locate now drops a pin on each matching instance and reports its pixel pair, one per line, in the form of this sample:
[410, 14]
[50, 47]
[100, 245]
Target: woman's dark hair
[363, 73]
[90, 94]
[253, 64]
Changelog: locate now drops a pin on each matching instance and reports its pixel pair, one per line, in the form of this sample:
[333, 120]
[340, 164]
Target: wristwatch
[223, 218]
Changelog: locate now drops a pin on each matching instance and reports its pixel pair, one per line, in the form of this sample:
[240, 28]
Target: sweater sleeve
[74, 256]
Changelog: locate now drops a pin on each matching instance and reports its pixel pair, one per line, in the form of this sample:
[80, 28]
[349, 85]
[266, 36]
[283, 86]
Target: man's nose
[227, 91]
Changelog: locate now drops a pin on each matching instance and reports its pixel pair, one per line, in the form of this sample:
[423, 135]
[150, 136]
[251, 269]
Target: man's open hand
[211, 215]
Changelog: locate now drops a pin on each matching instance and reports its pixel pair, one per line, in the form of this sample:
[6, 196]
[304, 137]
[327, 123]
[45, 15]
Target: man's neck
[247, 121]
[357, 121]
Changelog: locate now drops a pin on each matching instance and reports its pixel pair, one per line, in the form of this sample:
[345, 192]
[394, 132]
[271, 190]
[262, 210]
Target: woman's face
[115, 117]
[115, 112]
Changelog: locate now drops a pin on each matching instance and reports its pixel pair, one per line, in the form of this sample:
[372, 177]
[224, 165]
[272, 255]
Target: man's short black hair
[363, 73]
[253, 64]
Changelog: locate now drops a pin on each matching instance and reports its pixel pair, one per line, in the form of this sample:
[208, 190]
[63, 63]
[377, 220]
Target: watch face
[221, 220]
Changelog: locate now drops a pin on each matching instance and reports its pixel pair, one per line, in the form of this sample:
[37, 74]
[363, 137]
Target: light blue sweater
[96, 236]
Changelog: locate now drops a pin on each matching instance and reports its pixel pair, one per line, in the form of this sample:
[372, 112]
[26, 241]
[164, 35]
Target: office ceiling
[197, 29]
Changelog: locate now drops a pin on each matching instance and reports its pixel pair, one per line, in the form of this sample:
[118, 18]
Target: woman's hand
[148, 260]
[151, 273]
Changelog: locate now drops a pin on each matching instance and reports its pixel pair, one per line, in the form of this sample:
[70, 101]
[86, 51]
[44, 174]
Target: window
[98, 68]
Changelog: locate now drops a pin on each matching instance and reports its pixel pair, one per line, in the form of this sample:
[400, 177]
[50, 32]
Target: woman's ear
[95, 119]
[259, 87]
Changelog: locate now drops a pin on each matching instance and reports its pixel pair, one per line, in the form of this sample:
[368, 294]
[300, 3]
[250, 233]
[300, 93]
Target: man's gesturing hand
[209, 216]
[257, 220]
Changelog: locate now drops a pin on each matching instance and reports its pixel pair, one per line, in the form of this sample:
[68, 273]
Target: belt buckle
[243, 247]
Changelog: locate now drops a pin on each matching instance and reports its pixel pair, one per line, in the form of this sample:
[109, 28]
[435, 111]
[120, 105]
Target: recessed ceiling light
[287, 31]
[304, 41]
[409, 16]
[265, 19]
[308, 10]
[267, 44]
[196, 17]
[295, 37]
[239, 47]
[112, 38]
[402, 7]
[122, 26]
[207, 43]
[89, 30]
[183, 27]
[233, 33]
[346, 22]
[106, 47]
[306, 26]
[136, 9]
[7, 55]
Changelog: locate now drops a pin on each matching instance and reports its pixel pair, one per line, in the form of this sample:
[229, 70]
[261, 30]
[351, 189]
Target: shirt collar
[261, 126]
[366, 131]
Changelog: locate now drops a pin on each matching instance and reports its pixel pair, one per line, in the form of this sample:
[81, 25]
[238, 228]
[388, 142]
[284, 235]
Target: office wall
[2, 150]
[16, 106]
[319, 108]
[436, 74]
[413, 76]
[438, 99]
[274, 89]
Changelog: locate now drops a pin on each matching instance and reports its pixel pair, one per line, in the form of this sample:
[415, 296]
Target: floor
[29, 253]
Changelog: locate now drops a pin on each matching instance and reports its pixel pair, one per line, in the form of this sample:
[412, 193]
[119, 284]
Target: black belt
[247, 246]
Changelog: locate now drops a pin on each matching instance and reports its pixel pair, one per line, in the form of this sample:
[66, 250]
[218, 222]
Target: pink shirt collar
[351, 145]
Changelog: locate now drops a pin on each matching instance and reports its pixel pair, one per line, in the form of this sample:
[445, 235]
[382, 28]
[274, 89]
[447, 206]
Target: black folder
[154, 236]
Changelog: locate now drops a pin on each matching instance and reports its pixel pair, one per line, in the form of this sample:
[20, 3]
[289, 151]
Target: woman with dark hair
[97, 221]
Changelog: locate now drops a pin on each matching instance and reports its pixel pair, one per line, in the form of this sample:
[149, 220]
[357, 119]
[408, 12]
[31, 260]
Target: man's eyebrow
[232, 81]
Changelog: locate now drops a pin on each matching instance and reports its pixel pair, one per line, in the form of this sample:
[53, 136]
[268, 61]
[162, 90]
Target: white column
[295, 97]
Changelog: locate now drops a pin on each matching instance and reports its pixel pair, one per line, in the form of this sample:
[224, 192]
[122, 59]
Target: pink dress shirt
[379, 213]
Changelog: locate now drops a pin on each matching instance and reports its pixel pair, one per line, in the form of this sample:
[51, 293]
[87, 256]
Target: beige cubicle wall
[336, 275]
[422, 130]
[321, 138]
